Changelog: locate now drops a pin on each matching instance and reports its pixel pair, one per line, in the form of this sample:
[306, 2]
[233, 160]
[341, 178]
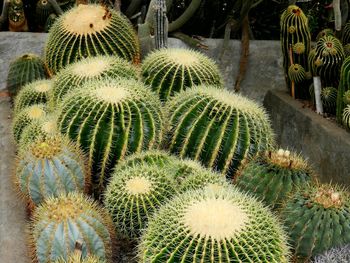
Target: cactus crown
[47, 148]
[286, 159]
[328, 196]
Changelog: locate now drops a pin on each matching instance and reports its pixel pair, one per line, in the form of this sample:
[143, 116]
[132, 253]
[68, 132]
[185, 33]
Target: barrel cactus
[216, 127]
[272, 176]
[89, 30]
[49, 168]
[42, 12]
[92, 68]
[168, 71]
[329, 99]
[346, 117]
[33, 93]
[343, 87]
[23, 70]
[49, 22]
[208, 225]
[346, 38]
[110, 119]
[26, 117]
[317, 217]
[60, 222]
[334, 255]
[77, 258]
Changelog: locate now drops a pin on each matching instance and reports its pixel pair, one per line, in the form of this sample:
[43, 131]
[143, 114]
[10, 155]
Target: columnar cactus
[168, 71]
[317, 218]
[92, 68]
[343, 87]
[89, 30]
[272, 176]
[25, 69]
[62, 221]
[216, 127]
[33, 93]
[296, 40]
[213, 225]
[42, 12]
[49, 168]
[329, 99]
[110, 119]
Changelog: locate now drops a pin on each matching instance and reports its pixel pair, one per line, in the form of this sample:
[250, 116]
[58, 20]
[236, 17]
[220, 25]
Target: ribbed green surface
[110, 126]
[23, 70]
[216, 127]
[41, 174]
[329, 99]
[42, 12]
[343, 87]
[33, 93]
[296, 73]
[66, 45]
[346, 116]
[60, 222]
[168, 71]
[317, 218]
[169, 238]
[346, 34]
[94, 68]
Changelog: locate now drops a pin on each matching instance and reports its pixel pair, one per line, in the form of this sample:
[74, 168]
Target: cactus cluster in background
[346, 39]
[343, 88]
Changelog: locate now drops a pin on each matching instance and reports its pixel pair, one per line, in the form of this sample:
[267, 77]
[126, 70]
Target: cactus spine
[343, 87]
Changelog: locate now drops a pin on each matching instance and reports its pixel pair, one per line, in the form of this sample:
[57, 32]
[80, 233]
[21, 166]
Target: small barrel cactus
[23, 70]
[296, 73]
[26, 117]
[110, 119]
[92, 68]
[346, 39]
[317, 218]
[334, 255]
[272, 176]
[346, 117]
[89, 30]
[49, 22]
[42, 12]
[216, 127]
[213, 225]
[168, 71]
[49, 168]
[343, 87]
[329, 99]
[33, 93]
[60, 222]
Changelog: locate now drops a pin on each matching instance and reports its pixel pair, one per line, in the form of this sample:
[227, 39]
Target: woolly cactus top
[295, 13]
[47, 148]
[329, 196]
[286, 159]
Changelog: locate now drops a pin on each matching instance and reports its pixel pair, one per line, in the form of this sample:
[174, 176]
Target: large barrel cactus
[92, 68]
[60, 222]
[343, 87]
[216, 127]
[317, 218]
[23, 70]
[213, 225]
[89, 30]
[110, 119]
[49, 168]
[272, 176]
[296, 41]
[168, 71]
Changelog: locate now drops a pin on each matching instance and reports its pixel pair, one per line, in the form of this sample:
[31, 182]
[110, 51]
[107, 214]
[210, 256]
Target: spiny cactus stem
[56, 7]
[291, 62]
[337, 14]
[161, 25]
[4, 13]
[179, 22]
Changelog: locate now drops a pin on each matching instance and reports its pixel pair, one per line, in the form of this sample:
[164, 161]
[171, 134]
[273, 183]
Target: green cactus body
[346, 34]
[42, 12]
[77, 258]
[317, 218]
[168, 71]
[213, 225]
[343, 87]
[60, 222]
[89, 30]
[36, 92]
[295, 35]
[296, 73]
[272, 176]
[324, 32]
[50, 167]
[216, 127]
[93, 68]
[49, 22]
[16, 16]
[23, 70]
[26, 117]
[346, 117]
[329, 99]
[110, 119]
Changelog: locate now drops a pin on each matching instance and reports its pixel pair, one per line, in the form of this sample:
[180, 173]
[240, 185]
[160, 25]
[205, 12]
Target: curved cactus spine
[42, 12]
[216, 127]
[110, 119]
[317, 218]
[98, 31]
[36, 92]
[344, 86]
[168, 71]
[329, 99]
[213, 226]
[60, 222]
[49, 168]
[92, 68]
[296, 41]
[23, 70]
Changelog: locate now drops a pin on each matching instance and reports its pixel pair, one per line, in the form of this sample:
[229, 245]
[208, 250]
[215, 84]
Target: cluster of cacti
[274, 175]
[296, 41]
[334, 255]
[216, 127]
[110, 119]
[343, 87]
[213, 225]
[23, 70]
[317, 218]
[168, 71]
[16, 17]
[50, 167]
[92, 68]
[98, 31]
[60, 222]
